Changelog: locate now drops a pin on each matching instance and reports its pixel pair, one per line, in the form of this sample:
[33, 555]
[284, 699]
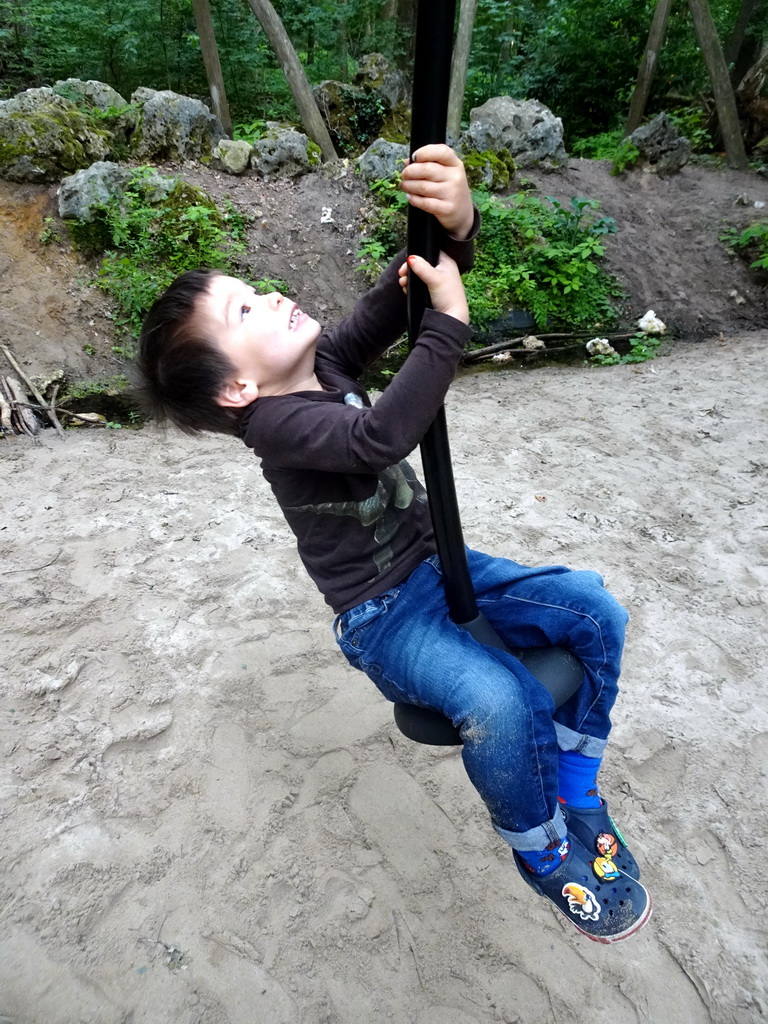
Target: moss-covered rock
[354, 116]
[106, 108]
[44, 137]
[495, 170]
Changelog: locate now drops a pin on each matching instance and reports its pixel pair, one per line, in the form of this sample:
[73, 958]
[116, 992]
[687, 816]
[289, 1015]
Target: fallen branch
[48, 410]
[515, 344]
[84, 416]
[25, 421]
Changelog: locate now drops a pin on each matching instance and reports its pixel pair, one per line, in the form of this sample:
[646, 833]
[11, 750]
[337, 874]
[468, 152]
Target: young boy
[216, 356]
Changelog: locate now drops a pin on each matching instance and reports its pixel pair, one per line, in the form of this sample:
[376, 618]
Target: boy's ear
[237, 394]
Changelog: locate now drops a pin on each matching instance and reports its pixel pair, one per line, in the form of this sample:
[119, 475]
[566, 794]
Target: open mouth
[294, 321]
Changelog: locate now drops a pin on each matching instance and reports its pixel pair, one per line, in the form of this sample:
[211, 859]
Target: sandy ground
[209, 817]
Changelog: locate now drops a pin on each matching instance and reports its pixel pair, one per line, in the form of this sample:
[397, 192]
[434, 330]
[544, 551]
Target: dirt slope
[306, 233]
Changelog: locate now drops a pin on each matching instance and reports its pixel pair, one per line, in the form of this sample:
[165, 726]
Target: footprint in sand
[226, 781]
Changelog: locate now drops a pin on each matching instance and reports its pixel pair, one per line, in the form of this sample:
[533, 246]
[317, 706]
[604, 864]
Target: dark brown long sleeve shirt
[336, 464]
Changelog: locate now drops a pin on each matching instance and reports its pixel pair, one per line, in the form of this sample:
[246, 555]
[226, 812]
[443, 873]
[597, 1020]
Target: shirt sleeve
[380, 317]
[295, 431]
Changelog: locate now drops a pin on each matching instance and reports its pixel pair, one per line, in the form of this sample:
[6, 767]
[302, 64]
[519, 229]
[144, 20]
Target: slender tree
[725, 100]
[741, 50]
[210, 51]
[647, 69]
[459, 66]
[298, 83]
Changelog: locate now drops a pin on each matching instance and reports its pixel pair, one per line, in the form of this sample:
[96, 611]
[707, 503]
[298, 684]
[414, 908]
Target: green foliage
[149, 242]
[642, 348]
[609, 146]
[752, 243]
[77, 392]
[538, 255]
[49, 234]
[386, 230]
[692, 122]
[249, 131]
[532, 253]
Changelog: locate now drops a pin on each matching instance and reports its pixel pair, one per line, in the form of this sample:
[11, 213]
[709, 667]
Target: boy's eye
[244, 310]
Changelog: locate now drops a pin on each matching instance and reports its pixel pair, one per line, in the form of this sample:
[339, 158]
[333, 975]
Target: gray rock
[375, 73]
[96, 94]
[528, 129]
[31, 100]
[99, 96]
[174, 127]
[94, 185]
[662, 148]
[44, 137]
[380, 160]
[232, 156]
[283, 152]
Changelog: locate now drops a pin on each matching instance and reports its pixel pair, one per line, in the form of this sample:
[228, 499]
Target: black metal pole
[556, 668]
[431, 83]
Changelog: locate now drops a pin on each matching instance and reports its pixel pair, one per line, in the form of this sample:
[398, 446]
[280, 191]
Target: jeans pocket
[357, 636]
[351, 626]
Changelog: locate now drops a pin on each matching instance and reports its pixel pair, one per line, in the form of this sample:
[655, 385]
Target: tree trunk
[741, 52]
[647, 68]
[406, 20]
[721, 84]
[298, 83]
[210, 50]
[459, 66]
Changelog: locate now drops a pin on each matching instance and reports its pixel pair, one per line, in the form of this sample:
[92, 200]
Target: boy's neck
[310, 383]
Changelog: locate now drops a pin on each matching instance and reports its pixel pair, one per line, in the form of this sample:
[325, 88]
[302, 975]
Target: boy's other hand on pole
[435, 181]
[444, 283]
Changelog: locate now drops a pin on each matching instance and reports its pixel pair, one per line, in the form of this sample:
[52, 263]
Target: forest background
[579, 57]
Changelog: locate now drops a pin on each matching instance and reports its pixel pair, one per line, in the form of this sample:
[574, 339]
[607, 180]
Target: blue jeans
[405, 641]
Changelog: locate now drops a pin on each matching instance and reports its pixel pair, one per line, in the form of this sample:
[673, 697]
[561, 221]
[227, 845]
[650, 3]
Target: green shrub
[249, 131]
[532, 253]
[752, 243]
[609, 146]
[692, 122]
[146, 242]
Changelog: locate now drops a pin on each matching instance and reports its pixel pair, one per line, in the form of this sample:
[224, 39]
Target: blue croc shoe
[597, 897]
[597, 833]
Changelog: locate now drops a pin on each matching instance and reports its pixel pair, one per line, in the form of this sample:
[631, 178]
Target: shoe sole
[607, 940]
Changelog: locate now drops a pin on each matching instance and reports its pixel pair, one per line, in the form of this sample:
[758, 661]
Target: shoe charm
[603, 865]
[581, 901]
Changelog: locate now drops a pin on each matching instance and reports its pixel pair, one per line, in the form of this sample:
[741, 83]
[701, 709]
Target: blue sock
[544, 862]
[577, 783]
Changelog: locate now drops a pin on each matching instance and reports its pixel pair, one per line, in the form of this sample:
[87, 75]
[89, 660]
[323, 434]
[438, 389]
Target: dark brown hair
[180, 370]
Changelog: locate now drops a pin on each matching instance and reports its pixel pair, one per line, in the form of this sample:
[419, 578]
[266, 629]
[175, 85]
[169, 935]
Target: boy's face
[268, 339]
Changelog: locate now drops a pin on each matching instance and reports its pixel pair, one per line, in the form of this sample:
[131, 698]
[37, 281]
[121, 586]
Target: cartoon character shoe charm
[603, 865]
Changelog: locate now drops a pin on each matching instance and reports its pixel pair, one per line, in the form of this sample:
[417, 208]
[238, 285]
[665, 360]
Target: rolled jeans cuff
[538, 838]
[588, 746]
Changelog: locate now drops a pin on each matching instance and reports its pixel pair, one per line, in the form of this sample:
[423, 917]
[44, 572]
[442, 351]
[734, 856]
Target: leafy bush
[692, 122]
[609, 146]
[542, 256]
[249, 131]
[532, 253]
[146, 243]
[752, 243]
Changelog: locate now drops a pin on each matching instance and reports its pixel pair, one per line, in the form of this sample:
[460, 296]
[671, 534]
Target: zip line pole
[431, 86]
[555, 668]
